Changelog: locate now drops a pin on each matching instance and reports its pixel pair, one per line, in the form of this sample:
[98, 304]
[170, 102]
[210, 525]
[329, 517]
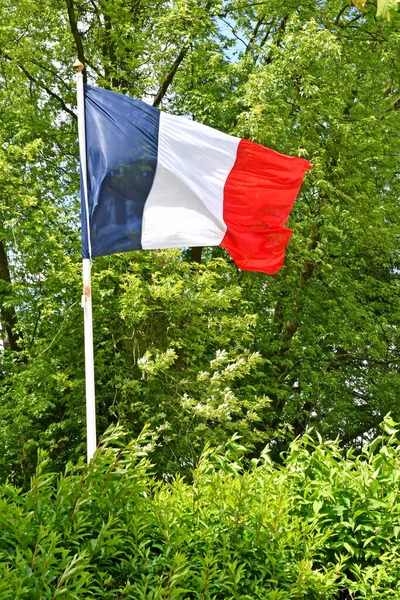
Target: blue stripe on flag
[122, 149]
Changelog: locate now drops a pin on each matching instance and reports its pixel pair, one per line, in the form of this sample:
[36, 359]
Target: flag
[157, 180]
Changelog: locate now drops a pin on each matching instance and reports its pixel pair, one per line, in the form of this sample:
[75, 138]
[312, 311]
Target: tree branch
[360, 431]
[169, 78]
[7, 312]
[40, 84]
[177, 62]
[345, 7]
[195, 254]
[75, 32]
[343, 355]
[254, 34]
[232, 28]
[46, 68]
[241, 7]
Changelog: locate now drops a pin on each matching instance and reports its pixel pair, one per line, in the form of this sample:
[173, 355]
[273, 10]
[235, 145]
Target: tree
[200, 351]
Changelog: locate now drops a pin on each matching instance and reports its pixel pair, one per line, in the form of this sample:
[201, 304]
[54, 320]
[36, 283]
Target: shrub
[322, 525]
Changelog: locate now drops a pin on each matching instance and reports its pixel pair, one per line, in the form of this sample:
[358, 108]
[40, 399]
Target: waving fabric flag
[161, 181]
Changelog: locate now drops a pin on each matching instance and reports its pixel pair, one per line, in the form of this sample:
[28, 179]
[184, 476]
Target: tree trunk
[8, 314]
[196, 254]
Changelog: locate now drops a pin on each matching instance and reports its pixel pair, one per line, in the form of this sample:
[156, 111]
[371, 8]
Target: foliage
[323, 525]
[199, 352]
[385, 8]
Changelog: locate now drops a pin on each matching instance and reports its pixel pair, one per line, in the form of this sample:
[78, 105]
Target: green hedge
[322, 525]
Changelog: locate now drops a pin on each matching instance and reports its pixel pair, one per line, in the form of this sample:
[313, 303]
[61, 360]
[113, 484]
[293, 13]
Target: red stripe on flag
[258, 195]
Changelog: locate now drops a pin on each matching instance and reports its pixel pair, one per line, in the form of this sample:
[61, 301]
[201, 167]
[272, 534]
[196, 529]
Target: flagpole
[86, 268]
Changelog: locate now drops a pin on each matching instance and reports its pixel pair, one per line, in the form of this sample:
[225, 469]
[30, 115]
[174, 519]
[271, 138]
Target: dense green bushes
[323, 525]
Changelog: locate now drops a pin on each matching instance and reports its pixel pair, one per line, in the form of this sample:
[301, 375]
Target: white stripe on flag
[185, 204]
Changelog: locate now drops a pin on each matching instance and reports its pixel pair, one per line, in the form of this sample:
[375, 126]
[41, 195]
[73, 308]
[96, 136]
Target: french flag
[162, 181]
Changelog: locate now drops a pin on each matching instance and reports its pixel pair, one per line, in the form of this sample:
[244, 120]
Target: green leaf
[387, 9]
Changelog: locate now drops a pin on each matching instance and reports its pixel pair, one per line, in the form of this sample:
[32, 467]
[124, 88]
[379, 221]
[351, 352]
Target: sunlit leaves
[387, 9]
[359, 3]
[318, 524]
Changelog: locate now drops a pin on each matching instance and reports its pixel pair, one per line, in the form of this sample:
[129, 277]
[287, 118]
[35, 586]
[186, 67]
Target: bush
[321, 526]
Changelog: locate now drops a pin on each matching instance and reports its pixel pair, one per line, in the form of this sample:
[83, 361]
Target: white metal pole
[86, 266]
